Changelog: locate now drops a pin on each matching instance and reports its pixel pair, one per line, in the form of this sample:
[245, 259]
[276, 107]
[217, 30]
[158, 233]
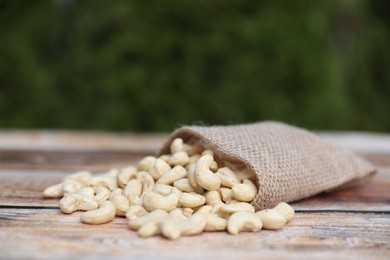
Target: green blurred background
[154, 65]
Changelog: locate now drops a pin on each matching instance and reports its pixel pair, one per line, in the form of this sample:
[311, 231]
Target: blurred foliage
[153, 65]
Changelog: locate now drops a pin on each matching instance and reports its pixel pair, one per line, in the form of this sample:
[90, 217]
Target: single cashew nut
[54, 191]
[152, 201]
[207, 152]
[121, 204]
[73, 202]
[204, 177]
[237, 207]
[183, 185]
[176, 173]
[205, 209]
[146, 163]
[133, 191]
[101, 194]
[243, 221]
[159, 168]
[86, 191]
[227, 176]
[177, 145]
[178, 158]
[213, 198]
[165, 157]
[125, 175]
[146, 180]
[226, 194]
[192, 180]
[191, 200]
[286, 210]
[271, 218]
[81, 177]
[245, 191]
[162, 189]
[105, 213]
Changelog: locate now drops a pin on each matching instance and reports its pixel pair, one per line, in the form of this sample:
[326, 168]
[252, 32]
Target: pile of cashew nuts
[183, 193]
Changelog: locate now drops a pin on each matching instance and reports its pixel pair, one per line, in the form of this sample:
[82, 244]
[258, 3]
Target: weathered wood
[350, 223]
[59, 236]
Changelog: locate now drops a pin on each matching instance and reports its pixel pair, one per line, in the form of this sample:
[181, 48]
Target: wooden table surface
[348, 224]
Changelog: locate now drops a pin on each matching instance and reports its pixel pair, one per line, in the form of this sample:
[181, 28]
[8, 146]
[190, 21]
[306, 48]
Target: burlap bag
[289, 163]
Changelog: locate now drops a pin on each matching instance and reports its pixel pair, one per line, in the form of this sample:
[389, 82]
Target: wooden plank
[24, 188]
[51, 140]
[51, 234]
[88, 160]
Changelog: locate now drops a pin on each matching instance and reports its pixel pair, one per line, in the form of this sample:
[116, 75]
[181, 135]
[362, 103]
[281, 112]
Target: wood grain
[306, 235]
[348, 224]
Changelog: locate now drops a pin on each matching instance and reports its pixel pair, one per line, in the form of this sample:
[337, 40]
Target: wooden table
[352, 223]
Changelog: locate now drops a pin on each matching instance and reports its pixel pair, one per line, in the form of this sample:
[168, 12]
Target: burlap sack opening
[290, 163]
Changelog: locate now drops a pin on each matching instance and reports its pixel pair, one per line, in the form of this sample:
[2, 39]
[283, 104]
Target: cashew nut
[227, 176]
[159, 168]
[81, 177]
[245, 191]
[226, 194]
[105, 213]
[271, 218]
[213, 198]
[73, 202]
[177, 145]
[215, 223]
[237, 207]
[243, 221]
[86, 191]
[125, 175]
[101, 194]
[178, 158]
[146, 180]
[191, 200]
[176, 173]
[286, 210]
[121, 204]
[54, 191]
[204, 177]
[146, 163]
[133, 191]
[162, 189]
[152, 200]
[183, 185]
